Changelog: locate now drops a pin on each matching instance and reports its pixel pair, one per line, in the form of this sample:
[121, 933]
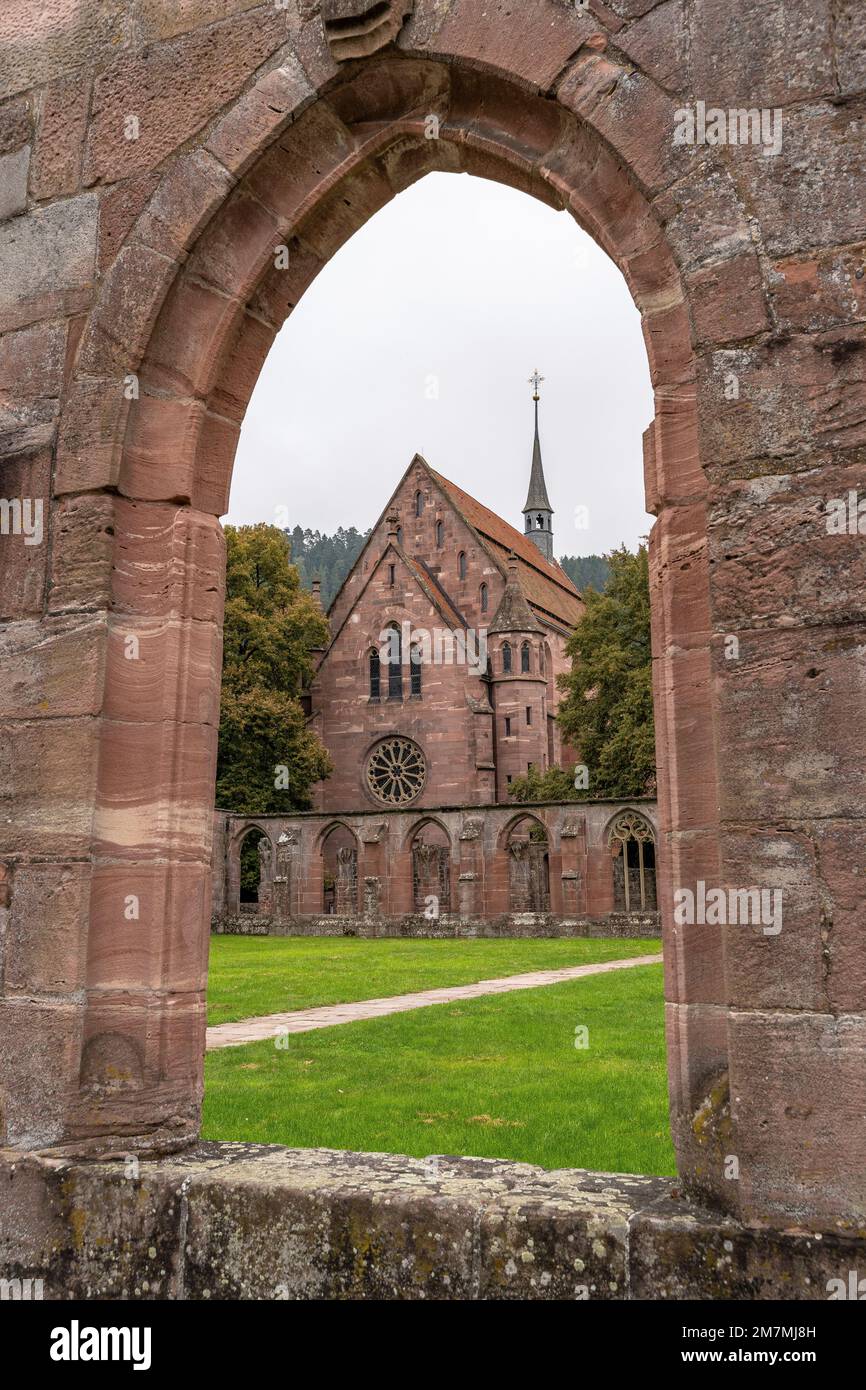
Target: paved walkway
[248, 1030]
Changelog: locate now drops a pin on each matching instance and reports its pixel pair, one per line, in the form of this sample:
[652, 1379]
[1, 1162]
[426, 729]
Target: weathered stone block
[798, 1094]
[774, 54]
[47, 261]
[13, 182]
[46, 946]
[53, 668]
[24, 557]
[171, 89]
[144, 926]
[533, 43]
[39, 1049]
[150, 660]
[155, 784]
[47, 786]
[790, 737]
[62, 132]
[81, 553]
[170, 562]
[40, 44]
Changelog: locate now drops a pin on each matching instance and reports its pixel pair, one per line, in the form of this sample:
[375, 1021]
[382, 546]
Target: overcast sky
[419, 335]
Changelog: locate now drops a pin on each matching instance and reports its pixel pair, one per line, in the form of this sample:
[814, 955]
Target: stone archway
[339, 852]
[429, 845]
[527, 848]
[295, 148]
[631, 841]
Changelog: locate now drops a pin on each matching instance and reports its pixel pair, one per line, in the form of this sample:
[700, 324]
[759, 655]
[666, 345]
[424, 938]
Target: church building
[438, 687]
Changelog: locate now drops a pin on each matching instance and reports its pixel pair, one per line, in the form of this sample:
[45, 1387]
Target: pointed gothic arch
[190, 301]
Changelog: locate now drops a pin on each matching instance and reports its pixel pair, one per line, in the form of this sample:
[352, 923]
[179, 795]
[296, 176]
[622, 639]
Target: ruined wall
[480, 896]
[153, 156]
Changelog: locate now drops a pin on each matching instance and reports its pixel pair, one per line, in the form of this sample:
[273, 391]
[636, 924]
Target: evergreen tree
[327, 557]
[586, 571]
[271, 628]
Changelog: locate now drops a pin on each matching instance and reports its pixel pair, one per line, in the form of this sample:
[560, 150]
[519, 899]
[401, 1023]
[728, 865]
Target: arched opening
[393, 660]
[197, 380]
[339, 852]
[633, 856]
[528, 854]
[254, 872]
[374, 667]
[506, 657]
[431, 870]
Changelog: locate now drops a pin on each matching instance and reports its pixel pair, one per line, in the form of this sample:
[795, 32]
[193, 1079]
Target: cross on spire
[535, 381]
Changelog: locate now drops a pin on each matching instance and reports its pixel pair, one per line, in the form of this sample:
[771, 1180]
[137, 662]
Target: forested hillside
[329, 557]
[586, 570]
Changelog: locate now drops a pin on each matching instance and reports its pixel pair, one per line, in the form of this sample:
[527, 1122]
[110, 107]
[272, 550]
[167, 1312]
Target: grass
[249, 976]
[496, 1077]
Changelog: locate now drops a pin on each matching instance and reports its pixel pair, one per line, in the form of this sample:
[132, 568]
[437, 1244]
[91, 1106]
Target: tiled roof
[546, 586]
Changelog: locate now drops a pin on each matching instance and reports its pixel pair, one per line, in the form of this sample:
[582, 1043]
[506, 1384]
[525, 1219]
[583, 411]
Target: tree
[268, 758]
[586, 570]
[328, 557]
[607, 709]
[556, 784]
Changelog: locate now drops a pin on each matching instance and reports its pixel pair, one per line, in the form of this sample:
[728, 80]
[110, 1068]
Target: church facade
[438, 687]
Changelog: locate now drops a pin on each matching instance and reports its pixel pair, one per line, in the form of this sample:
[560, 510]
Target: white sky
[460, 286]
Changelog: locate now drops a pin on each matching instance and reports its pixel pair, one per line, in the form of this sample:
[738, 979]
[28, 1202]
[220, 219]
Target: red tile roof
[546, 586]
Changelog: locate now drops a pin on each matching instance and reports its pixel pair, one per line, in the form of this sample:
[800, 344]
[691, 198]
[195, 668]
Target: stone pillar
[346, 888]
[282, 905]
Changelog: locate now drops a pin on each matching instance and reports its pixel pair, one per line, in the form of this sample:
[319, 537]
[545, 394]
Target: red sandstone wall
[153, 259]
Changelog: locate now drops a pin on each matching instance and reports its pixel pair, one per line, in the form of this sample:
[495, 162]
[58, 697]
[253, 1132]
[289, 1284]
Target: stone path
[247, 1030]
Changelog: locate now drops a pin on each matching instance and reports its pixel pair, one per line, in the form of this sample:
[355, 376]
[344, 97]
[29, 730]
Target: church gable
[438, 540]
[395, 590]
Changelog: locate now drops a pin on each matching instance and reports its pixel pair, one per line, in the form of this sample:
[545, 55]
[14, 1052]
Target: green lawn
[251, 975]
[495, 1077]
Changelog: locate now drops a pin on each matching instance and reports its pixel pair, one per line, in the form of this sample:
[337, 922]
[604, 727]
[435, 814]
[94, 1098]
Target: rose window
[396, 771]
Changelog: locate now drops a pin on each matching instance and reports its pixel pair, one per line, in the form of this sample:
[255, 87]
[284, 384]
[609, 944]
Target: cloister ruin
[547, 870]
[149, 173]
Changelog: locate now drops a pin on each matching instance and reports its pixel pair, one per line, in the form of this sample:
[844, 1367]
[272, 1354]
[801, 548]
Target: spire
[537, 509]
[514, 613]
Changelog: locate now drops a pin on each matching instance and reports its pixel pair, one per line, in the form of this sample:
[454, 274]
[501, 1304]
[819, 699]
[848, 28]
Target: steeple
[538, 512]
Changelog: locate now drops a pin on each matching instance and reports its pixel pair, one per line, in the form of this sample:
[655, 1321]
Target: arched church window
[399, 535]
[524, 658]
[419, 503]
[540, 522]
[483, 598]
[440, 534]
[541, 660]
[461, 564]
[395, 662]
[415, 669]
[375, 675]
[506, 656]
